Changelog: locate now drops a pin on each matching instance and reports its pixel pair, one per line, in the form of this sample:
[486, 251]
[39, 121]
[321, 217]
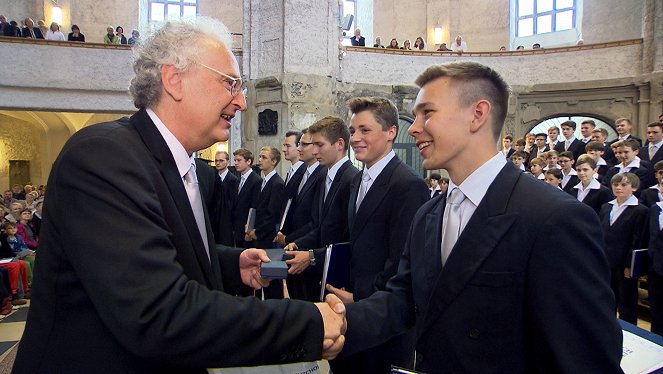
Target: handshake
[333, 317]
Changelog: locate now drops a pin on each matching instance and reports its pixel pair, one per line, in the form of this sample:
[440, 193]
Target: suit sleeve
[551, 274]
[120, 246]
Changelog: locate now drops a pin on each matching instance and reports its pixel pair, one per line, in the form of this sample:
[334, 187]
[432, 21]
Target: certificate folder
[639, 262]
[337, 267]
[250, 220]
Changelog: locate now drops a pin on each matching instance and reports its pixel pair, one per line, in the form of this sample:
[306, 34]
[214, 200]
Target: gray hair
[175, 43]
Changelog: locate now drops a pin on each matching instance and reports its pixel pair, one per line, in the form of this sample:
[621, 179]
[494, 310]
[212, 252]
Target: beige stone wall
[16, 10]
[19, 140]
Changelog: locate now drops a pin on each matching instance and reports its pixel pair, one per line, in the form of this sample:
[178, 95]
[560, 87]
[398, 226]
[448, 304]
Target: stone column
[643, 106]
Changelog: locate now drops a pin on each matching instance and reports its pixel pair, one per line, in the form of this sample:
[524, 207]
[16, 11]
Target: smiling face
[207, 105]
[623, 128]
[586, 130]
[441, 127]
[367, 138]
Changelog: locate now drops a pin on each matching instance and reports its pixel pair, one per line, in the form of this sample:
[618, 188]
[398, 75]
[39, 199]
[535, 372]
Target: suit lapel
[489, 223]
[375, 195]
[432, 240]
[352, 204]
[334, 187]
[158, 147]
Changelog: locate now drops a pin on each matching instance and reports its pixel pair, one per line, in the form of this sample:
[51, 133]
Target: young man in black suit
[538, 149]
[290, 149]
[570, 143]
[601, 135]
[30, 31]
[268, 203]
[553, 137]
[652, 151]
[506, 146]
[655, 276]
[130, 279]
[330, 138]
[480, 279]
[586, 128]
[654, 194]
[248, 190]
[625, 226]
[624, 128]
[228, 184]
[385, 196]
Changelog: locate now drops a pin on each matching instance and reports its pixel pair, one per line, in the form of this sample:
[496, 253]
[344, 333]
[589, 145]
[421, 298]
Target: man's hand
[290, 247]
[335, 325]
[345, 296]
[249, 267]
[250, 236]
[299, 263]
[279, 238]
[627, 273]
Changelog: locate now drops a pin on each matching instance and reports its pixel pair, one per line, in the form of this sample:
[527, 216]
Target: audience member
[36, 216]
[25, 229]
[536, 46]
[378, 43]
[17, 272]
[8, 199]
[119, 32]
[419, 43]
[75, 34]
[110, 37]
[54, 33]
[459, 45]
[393, 44]
[13, 30]
[520, 48]
[443, 48]
[42, 27]
[30, 31]
[625, 228]
[406, 45]
[3, 24]
[358, 40]
[502, 49]
[135, 37]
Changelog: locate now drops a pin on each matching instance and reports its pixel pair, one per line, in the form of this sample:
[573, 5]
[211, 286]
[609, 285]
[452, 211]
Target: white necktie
[451, 222]
[652, 151]
[566, 145]
[241, 183]
[264, 182]
[303, 182]
[363, 188]
[290, 173]
[193, 192]
[328, 184]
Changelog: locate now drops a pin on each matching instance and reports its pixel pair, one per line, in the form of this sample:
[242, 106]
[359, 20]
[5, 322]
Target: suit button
[416, 309]
[474, 333]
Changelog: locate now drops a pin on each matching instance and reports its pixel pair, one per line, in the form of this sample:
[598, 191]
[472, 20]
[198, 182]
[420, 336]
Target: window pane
[348, 7]
[544, 24]
[156, 12]
[189, 11]
[525, 7]
[173, 11]
[190, 1]
[562, 4]
[544, 6]
[564, 21]
[525, 27]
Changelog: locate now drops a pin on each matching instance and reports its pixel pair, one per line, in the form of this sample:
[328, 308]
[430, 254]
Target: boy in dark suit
[228, 184]
[268, 204]
[627, 151]
[518, 159]
[478, 276]
[538, 149]
[569, 174]
[654, 194]
[383, 201]
[507, 150]
[570, 143]
[601, 135]
[589, 190]
[624, 222]
[596, 150]
[652, 151]
[247, 193]
[623, 126]
[655, 276]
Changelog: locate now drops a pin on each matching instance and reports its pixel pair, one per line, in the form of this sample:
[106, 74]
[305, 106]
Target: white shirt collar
[601, 162]
[311, 168]
[331, 173]
[630, 201]
[269, 176]
[659, 144]
[660, 205]
[223, 175]
[183, 160]
[593, 185]
[635, 163]
[296, 166]
[375, 170]
[474, 187]
[572, 171]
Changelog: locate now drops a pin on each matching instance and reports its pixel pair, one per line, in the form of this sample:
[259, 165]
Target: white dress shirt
[331, 173]
[618, 209]
[223, 175]
[375, 170]
[583, 191]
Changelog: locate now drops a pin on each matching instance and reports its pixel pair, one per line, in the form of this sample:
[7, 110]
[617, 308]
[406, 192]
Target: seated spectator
[75, 34]
[419, 44]
[443, 48]
[25, 229]
[502, 49]
[36, 217]
[41, 190]
[110, 37]
[54, 33]
[536, 46]
[120, 34]
[14, 212]
[135, 37]
[8, 199]
[17, 274]
[42, 26]
[459, 45]
[406, 45]
[393, 44]
[3, 24]
[13, 30]
[5, 294]
[30, 31]
[19, 249]
[30, 200]
[18, 192]
[27, 188]
[378, 43]
[520, 48]
[358, 40]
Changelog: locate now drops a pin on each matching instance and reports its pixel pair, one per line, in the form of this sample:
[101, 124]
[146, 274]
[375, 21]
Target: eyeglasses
[305, 144]
[236, 84]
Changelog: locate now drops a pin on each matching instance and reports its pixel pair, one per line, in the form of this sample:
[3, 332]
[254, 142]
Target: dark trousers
[397, 351]
[626, 295]
[656, 301]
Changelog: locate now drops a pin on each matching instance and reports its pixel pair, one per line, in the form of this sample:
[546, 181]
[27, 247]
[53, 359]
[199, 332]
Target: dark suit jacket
[222, 221]
[290, 193]
[644, 172]
[245, 200]
[655, 240]
[595, 198]
[508, 154]
[302, 208]
[577, 147]
[268, 211]
[378, 230]
[361, 42]
[208, 185]
[629, 232]
[532, 154]
[25, 32]
[649, 196]
[644, 155]
[331, 224]
[629, 137]
[609, 155]
[491, 308]
[568, 187]
[124, 272]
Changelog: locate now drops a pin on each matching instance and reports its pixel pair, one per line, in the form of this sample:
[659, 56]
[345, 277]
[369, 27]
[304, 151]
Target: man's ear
[171, 79]
[636, 151]
[481, 115]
